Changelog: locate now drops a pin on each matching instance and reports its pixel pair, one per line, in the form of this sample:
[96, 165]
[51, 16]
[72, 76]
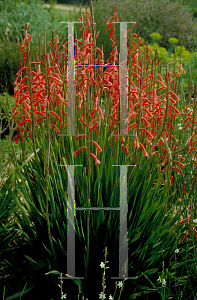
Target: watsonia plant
[41, 103]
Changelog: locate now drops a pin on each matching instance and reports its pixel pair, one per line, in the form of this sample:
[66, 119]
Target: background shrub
[165, 17]
[13, 19]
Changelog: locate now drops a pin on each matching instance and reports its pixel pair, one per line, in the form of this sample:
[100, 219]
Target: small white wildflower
[110, 297]
[102, 265]
[102, 296]
[176, 251]
[119, 284]
[63, 296]
[59, 286]
[159, 279]
[180, 128]
[164, 282]
[195, 221]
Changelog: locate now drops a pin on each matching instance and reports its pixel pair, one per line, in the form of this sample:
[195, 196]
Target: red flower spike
[76, 152]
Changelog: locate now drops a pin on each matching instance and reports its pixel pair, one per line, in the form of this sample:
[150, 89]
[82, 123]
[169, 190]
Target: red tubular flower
[187, 126]
[169, 124]
[195, 231]
[126, 150]
[134, 124]
[27, 131]
[80, 136]
[101, 113]
[144, 151]
[187, 119]
[52, 112]
[137, 142]
[83, 122]
[185, 219]
[75, 153]
[92, 113]
[155, 152]
[179, 157]
[24, 122]
[92, 121]
[93, 127]
[185, 237]
[177, 169]
[192, 150]
[97, 162]
[55, 127]
[15, 115]
[178, 162]
[99, 148]
[146, 122]
[148, 133]
[184, 110]
[40, 119]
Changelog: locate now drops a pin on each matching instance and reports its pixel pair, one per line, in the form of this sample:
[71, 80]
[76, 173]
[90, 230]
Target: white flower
[176, 251]
[119, 284]
[63, 296]
[102, 265]
[195, 221]
[180, 128]
[110, 297]
[163, 282]
[102, 296]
